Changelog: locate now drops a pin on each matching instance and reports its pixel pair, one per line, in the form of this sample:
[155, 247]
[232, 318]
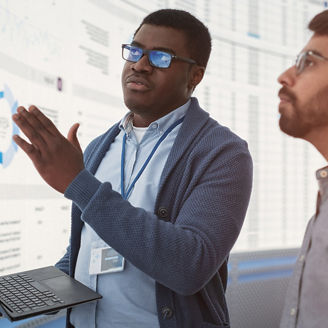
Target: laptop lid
[41, 291]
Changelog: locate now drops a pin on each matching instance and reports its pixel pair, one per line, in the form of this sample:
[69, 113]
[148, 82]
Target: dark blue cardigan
[184, 245]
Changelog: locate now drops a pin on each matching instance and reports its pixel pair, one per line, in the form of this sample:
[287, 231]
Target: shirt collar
[161, 124]
[322, 177]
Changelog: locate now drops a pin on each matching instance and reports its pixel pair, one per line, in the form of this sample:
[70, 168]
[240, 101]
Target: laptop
[41, 291]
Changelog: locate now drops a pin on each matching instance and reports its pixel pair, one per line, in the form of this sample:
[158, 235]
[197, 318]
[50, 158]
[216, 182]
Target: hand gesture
[57, 159]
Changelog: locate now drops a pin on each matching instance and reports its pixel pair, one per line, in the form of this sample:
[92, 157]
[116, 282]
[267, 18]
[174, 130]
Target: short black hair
[197, 34]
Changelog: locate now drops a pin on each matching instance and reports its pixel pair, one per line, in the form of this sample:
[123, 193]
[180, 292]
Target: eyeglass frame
[146, 52]
[304, 54]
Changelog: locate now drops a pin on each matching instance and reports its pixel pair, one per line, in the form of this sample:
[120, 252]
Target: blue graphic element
[7, 155]
[253, 35]
[265, 263]
[249, 277]
[326, 3]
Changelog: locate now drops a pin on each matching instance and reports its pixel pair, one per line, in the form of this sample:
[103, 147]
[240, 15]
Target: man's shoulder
[218, 140]
[211, 127]
[217, 136]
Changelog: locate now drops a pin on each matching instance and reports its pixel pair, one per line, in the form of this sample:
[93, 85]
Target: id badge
[105, 260]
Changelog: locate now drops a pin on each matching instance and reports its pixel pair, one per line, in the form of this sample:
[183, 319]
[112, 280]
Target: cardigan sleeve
[182, 254]
[63, 263]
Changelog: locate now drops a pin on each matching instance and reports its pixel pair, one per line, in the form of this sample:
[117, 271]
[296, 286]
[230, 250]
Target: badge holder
[105, 260]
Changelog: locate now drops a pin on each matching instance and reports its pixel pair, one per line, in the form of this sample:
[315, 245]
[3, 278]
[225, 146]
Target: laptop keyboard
[21, 294]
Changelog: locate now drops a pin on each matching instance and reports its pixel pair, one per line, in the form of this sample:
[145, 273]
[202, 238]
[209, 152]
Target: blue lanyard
[165, 134]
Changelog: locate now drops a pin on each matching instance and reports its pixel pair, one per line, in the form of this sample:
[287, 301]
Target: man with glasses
[160, 198]
[304, 114]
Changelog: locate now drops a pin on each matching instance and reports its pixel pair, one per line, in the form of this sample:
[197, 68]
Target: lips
[137, 83]
[284, 98]
[286, 95]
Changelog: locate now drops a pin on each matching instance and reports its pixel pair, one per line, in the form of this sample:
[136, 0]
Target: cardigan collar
[194, 120]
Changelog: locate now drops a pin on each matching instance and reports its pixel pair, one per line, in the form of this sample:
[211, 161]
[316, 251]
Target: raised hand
[57, 159]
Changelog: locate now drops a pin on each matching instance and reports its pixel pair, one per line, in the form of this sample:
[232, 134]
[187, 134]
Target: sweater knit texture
[185, 243]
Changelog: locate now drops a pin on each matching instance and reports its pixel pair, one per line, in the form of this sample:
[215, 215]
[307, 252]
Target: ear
[196, 75]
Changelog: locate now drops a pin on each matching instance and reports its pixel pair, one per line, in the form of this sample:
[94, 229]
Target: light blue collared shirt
[129, 298]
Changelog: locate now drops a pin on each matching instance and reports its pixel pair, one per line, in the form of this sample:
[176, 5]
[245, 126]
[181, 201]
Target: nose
[288, 77]
[142, 65]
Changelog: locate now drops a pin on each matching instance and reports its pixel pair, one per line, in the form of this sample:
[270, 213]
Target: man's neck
[318, 138]
[144, 119]
[142, 122]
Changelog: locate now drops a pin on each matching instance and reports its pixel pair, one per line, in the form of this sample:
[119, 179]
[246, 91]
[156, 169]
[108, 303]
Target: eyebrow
[138, 44]
[315, 52]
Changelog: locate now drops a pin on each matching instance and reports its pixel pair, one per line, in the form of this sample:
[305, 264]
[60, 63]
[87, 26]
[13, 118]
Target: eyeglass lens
[300, 62]
[156, 58]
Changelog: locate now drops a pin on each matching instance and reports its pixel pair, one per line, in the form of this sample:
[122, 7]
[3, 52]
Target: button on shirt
[129, 298]
[306, 303]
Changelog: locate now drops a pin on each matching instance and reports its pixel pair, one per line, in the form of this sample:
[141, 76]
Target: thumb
[72, 136]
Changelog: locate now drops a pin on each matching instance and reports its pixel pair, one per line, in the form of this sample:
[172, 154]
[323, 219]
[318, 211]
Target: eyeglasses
[157, 58]
[303, 61]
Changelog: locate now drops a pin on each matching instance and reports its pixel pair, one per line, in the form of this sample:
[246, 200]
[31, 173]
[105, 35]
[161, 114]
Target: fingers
[30, 126]
[45, 122]
[29, 149]
[36, 126]
[38, 120]
[72, 136]
[57, 159]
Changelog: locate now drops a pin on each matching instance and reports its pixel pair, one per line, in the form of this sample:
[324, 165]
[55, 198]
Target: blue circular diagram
[7, 155]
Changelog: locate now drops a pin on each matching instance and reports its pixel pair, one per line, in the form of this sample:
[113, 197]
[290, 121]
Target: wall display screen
[65, 57]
